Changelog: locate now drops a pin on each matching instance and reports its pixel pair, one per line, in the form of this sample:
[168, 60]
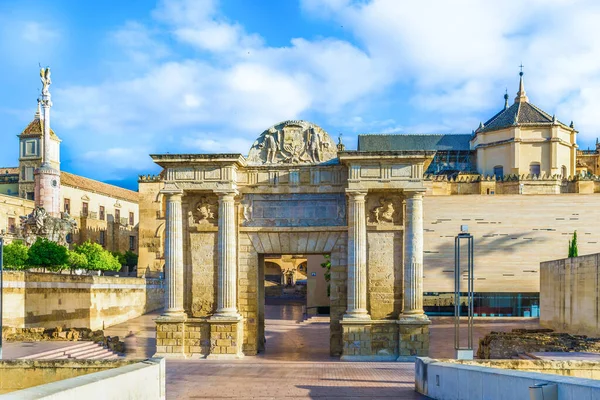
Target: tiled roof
[35, 127]
[80, 182]
[434, 142]
[9, 170]
[519, 113]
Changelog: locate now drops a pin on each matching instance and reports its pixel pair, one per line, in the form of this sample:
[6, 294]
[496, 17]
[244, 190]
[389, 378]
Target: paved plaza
[296, 363]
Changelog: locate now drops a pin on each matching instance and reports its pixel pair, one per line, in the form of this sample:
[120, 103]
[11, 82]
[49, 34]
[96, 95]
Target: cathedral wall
[513, 234]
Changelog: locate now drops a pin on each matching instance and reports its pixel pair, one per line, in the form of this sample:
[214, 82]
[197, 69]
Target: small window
[30, 148]
[131, 219]
[84, 209]
[67, 206]
[69, 238]
[534, 168]
[117, 215]
[12, 226]
[499, 171]
[102, 238]
[101, 213]
[28, 173]
[30, 196]
[132, 243]
[563, 171]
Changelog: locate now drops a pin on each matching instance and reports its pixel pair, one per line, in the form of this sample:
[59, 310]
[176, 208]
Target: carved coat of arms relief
[292, 142]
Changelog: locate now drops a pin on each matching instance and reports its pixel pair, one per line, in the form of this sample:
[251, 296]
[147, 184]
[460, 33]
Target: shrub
[573, 251]
[76, 260]
[15, 256]
[98, 259]
[47, 254]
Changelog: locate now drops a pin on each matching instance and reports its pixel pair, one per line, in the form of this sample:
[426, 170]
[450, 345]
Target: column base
[413, 336]
[174, 313]
[357, 315]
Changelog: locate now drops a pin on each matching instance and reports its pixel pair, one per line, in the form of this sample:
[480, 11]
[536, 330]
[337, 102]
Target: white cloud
[228, 84]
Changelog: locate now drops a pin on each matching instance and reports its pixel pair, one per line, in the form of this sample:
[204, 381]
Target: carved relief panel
[292, 142]
[203, 210]
[384, 209]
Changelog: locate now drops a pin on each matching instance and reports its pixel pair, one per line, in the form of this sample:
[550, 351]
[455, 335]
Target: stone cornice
[165, 160]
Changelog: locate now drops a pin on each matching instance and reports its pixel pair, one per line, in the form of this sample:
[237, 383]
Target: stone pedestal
[413, 338]
[170, 333]
[357, 257]
[356, 337]
[226, 338]
[174, 255]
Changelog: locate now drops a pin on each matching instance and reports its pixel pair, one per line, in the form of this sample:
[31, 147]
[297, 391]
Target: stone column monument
[414, 324]
[357, 257]
[174, 255]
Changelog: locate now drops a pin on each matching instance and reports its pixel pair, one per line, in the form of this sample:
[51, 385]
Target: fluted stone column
[174, 254]
[227, 279]
[357, 257]
[413, 256]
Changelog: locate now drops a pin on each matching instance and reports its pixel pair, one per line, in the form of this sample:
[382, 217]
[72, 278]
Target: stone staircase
[316, 319]
[79, 351]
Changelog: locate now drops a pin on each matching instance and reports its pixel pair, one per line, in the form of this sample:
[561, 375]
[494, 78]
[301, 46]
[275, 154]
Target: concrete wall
[513, 234]
[452, 381]
[569, 294]
[50, 300]
[83, 379]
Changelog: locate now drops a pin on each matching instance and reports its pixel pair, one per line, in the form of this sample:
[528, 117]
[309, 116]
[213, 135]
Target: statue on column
[45, 78]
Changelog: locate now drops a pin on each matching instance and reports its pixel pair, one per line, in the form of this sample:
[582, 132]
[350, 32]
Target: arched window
[534, 168]
[499, 171]
[563, 171]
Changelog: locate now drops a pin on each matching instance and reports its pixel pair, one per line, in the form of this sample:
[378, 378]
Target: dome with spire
[521, 112]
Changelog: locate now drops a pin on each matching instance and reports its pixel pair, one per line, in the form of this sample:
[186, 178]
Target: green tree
[98, 259]
[47, 254]
[131, 259]
[573, 251]
[76, 261]
[327, 266]
[120, 257]
[15, 256]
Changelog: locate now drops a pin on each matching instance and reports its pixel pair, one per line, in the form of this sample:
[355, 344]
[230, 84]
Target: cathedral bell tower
[47, 176]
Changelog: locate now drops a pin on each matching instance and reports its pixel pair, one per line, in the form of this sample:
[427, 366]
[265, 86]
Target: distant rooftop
[431, 142]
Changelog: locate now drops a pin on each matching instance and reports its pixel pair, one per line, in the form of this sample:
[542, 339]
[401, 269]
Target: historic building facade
[387, 215]
[104, 213]
[295, 193]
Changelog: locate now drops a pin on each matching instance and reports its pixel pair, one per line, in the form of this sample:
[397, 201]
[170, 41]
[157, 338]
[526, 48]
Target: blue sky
[139, 77]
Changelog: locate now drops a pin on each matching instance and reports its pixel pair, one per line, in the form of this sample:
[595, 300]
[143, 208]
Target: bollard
[543, 391]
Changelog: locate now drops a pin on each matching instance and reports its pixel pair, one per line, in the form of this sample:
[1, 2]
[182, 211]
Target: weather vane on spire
[521, 66]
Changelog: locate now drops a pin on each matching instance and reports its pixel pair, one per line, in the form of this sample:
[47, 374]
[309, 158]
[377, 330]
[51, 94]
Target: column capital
[413, 194]
[356, 195]
[171, 192]
[223, 193]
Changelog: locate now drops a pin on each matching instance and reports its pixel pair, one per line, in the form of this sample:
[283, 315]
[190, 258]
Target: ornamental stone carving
[204, 211]
[292, 142]
[385, 210]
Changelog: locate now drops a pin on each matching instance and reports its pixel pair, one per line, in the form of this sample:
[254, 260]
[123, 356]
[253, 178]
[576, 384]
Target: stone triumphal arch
[296, 192]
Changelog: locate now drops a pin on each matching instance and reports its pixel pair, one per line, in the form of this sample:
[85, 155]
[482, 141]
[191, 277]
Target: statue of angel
[45, 78]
